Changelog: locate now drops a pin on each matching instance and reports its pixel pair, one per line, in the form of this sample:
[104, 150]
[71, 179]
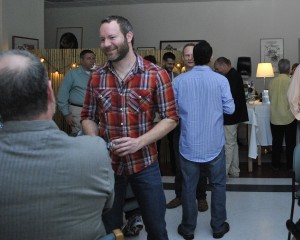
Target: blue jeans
[202, 184]
[148, 189]
[216, 170]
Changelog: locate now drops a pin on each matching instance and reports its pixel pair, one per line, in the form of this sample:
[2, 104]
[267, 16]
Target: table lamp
[264, 70]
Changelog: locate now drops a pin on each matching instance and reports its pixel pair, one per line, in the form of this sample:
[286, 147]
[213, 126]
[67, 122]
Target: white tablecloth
[259, 119]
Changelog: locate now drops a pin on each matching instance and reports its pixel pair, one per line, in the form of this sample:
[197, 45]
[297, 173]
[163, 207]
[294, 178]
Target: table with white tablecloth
[259, 131]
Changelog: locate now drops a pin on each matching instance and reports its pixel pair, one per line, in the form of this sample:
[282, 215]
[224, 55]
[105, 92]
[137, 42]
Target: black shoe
[292, 227]
[225, 230]
[297, 225]
[185, 236]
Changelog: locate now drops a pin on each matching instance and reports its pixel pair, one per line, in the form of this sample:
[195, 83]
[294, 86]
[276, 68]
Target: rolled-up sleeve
[165, 96]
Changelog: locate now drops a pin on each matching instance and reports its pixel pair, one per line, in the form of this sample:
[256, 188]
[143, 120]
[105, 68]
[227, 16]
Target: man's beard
[122, 51]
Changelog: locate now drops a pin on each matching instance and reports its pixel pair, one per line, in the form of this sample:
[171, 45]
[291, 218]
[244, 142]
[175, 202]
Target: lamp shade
[264, 70]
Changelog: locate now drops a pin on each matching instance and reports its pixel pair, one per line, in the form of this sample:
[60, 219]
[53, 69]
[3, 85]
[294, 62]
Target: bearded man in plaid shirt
[120, 104]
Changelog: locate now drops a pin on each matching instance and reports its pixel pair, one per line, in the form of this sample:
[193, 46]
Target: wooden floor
[263, 171]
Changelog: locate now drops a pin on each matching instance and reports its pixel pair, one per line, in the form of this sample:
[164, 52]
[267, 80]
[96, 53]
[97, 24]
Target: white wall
[21, 18]
[1, 23]
[233, 28]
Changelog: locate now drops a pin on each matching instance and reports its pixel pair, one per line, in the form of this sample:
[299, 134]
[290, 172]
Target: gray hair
[223, 61]
[284, 66]
[23, 86]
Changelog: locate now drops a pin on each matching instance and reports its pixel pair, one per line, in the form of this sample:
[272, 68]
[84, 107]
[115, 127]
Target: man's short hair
[223, 60]
[23, 86]
[86, 51]
[125, 25]
[168, 55]
[202, 53]
[284, 66]
[151, 58]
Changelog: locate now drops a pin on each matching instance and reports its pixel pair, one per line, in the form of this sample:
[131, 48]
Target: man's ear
[51, 97]
[51, 101]
[129, 36]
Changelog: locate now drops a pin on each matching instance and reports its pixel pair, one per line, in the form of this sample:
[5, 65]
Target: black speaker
[244, 66]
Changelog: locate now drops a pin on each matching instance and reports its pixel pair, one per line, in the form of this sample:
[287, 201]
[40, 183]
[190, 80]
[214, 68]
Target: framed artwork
[69, 37]
[271, 50]
[175, 44]
[146, 48]
[24, 43]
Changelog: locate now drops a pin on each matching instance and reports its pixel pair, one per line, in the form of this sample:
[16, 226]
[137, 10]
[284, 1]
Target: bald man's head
[14, 61]
[23, 86]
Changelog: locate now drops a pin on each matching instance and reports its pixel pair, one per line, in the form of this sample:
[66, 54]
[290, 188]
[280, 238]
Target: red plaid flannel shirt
[128, 109]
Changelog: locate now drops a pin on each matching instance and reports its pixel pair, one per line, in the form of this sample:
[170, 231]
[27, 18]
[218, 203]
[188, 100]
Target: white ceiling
[87, 3]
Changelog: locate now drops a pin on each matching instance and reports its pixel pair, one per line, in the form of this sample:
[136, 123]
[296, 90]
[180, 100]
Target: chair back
[296, 163]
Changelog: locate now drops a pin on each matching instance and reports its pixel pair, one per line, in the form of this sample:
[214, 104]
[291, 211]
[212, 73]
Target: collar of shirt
[83, 71]
[201, 68]
[139, 66]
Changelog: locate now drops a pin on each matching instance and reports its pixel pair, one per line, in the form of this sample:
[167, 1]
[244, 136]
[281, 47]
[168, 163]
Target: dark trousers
[202, 183]
[171, 150]
[289, 132]
[170, 137]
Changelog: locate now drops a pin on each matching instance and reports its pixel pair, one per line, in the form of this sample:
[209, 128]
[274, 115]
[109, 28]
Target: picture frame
[25, 43]
[146, 48]
[69, 37]
[175, 44]
[272, 50]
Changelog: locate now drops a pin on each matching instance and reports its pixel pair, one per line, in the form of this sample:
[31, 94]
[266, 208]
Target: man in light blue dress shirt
[72, 90]
[202, 97]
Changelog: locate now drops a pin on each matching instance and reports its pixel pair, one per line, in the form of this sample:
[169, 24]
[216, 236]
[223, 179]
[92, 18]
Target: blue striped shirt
[202, 96]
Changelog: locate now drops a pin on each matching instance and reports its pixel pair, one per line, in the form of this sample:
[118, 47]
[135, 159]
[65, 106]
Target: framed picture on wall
[271, 50]
[69, 37]
[175, 44]
[24, 43]
[145, 48]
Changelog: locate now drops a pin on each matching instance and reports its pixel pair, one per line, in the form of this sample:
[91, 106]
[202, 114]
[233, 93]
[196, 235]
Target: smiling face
[169, 64]
[113, 43]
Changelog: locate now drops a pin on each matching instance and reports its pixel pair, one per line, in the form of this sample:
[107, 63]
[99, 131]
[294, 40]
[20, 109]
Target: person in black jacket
[223, 66]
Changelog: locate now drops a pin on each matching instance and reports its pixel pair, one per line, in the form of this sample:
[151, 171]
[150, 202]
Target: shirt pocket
[139, 100]
[104, 98]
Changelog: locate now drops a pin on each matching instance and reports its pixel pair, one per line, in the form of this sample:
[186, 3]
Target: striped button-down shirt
[202, 97]
[128, 109]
